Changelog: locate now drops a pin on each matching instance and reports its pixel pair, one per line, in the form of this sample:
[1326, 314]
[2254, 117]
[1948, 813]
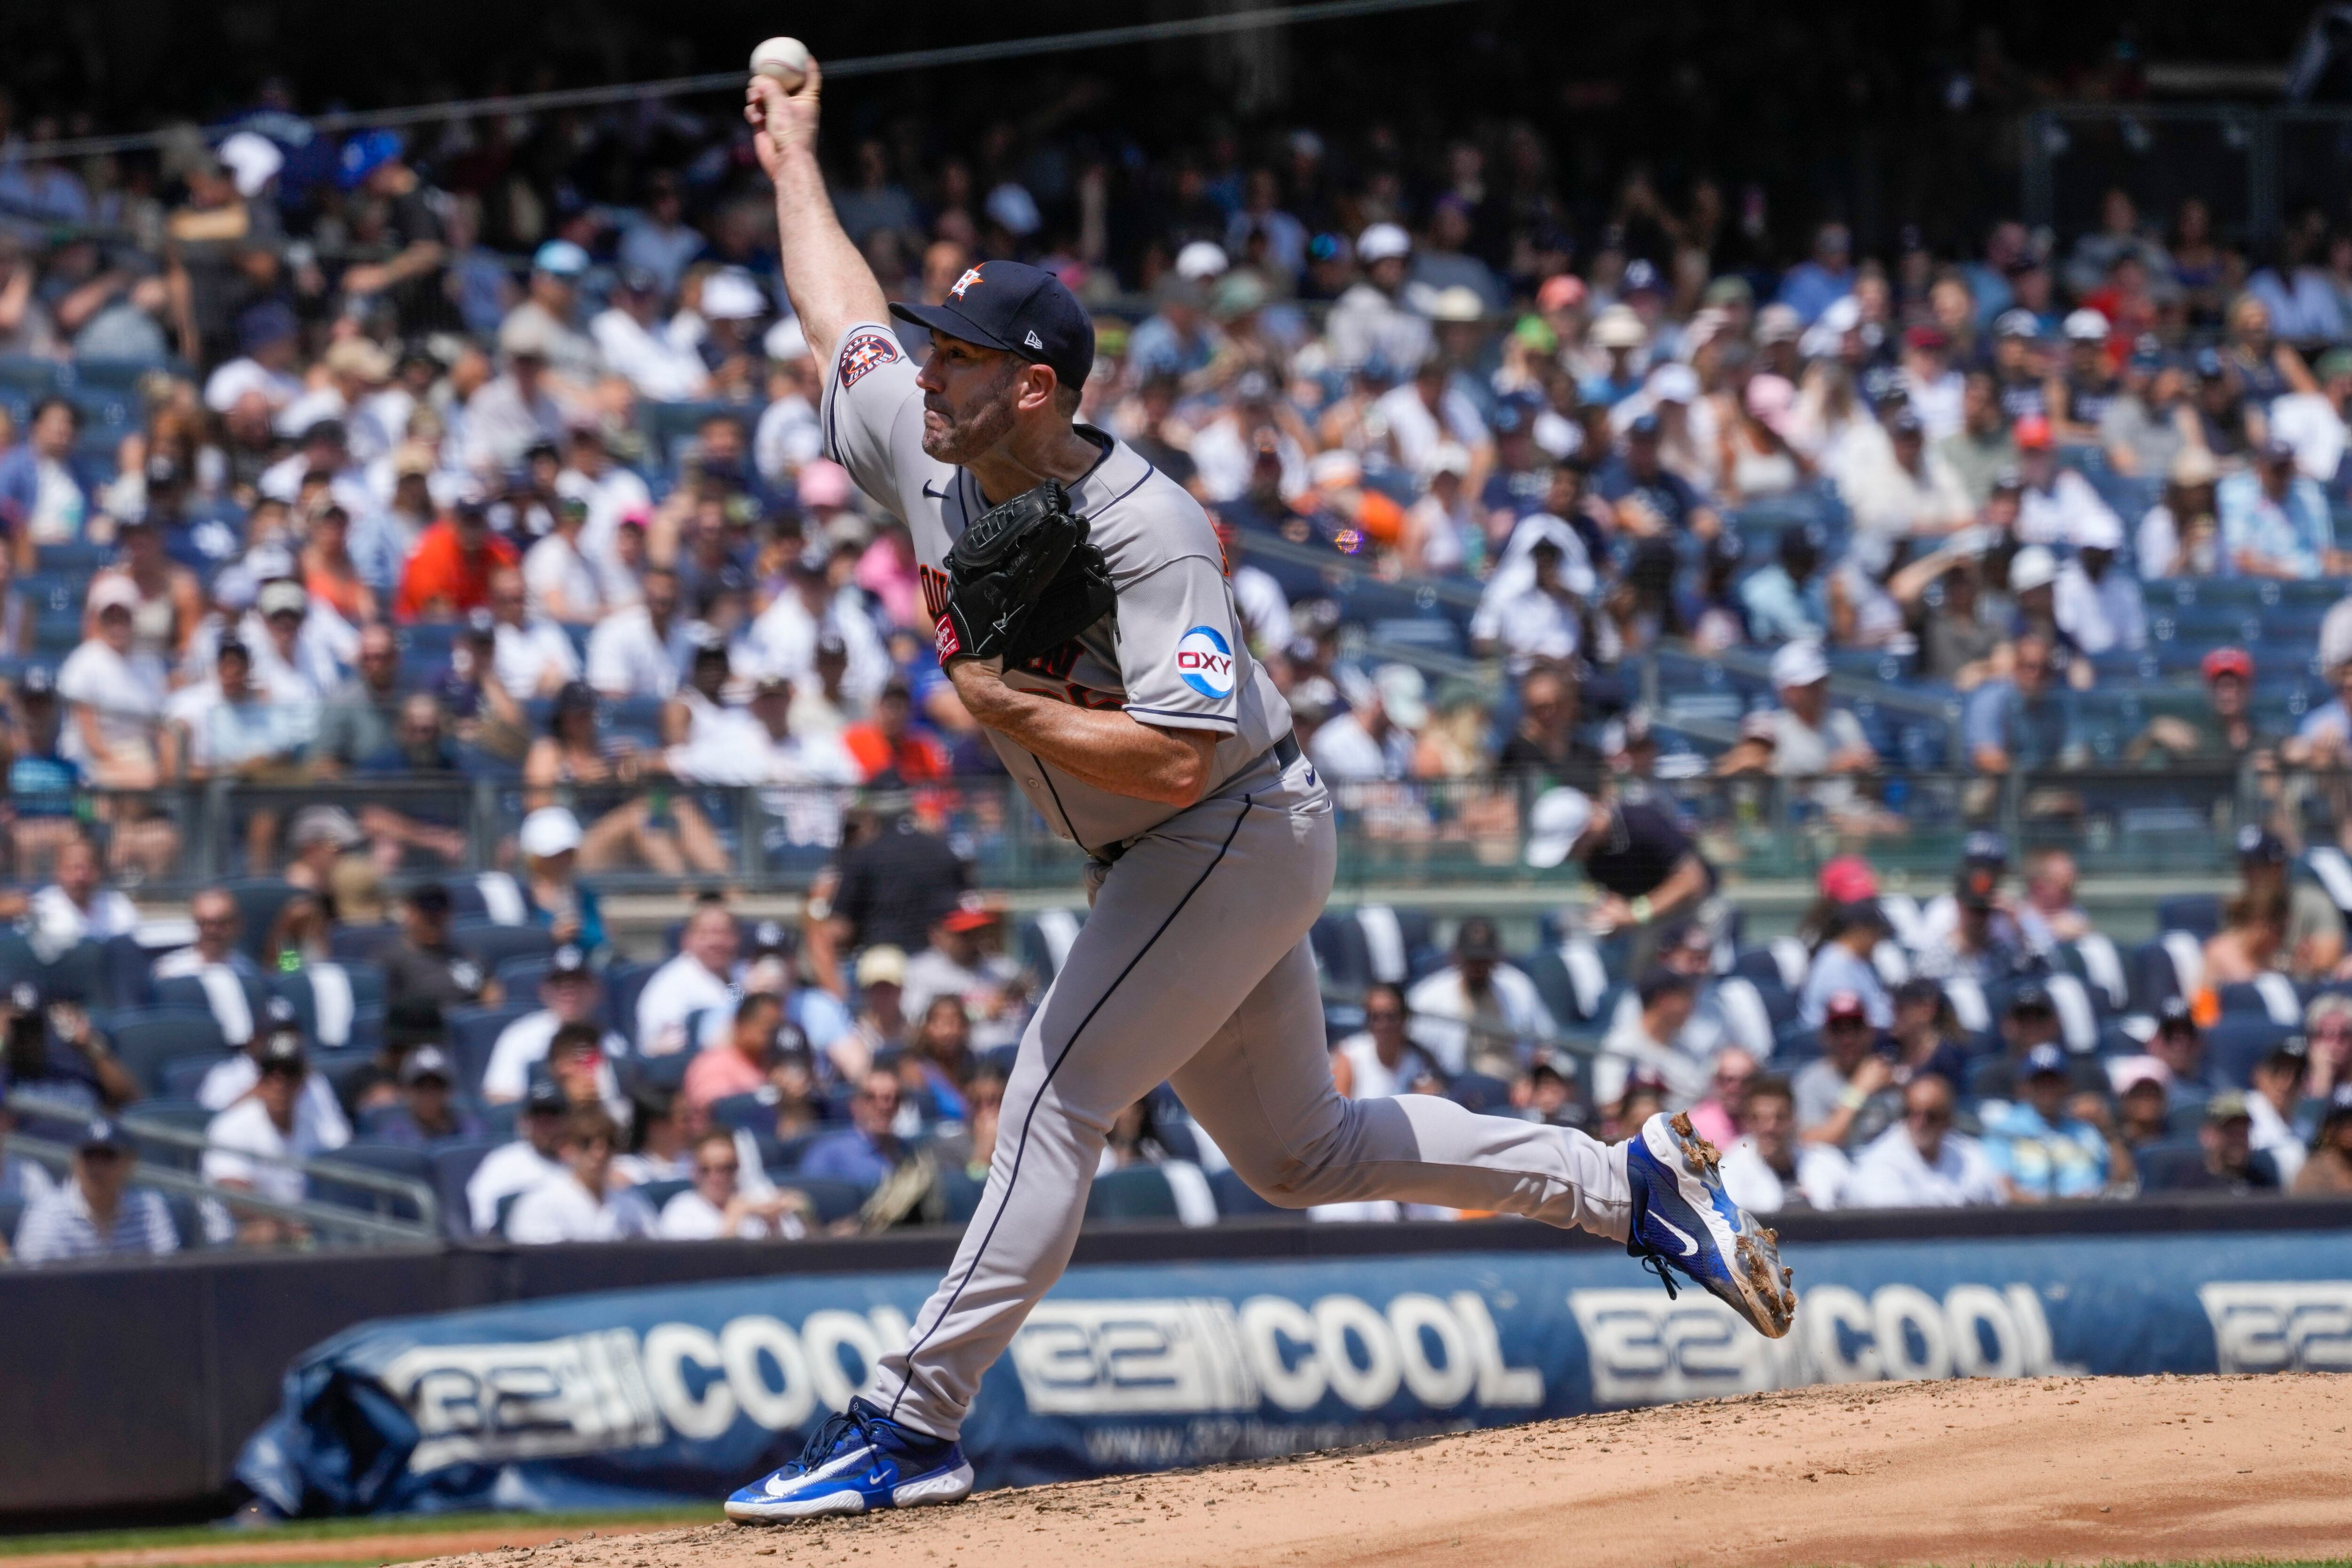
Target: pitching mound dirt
[2058, 1470]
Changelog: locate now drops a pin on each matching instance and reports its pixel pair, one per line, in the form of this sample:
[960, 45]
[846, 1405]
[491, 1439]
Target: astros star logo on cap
[971, 275]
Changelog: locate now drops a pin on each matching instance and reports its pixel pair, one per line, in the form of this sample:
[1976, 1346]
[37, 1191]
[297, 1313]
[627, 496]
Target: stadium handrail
[427, 1203]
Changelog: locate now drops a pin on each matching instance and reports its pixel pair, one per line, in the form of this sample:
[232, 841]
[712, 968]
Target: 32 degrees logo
[1206, 662]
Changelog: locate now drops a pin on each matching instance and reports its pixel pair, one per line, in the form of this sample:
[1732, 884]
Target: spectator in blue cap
[95, 1212]
[551, 308]
[374, 163]
[2045, 1148]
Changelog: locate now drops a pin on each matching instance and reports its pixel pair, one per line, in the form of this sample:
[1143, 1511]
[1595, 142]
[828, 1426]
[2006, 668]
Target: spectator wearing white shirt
[754, 745]
[533, 657]
[1372, 323]
[1921, 1163]
[613, 494]
[114, 695]
[564, 585]
[658, 238]
[2097, 605]
[251, 1146]
[2057, 505]
[1647, 1042]
[570, 993]
[699, 979]
[1767, 1170]
[1373, 740]
[1903, 489]
[1543, 623]
[513, 412]
[785, 635]
[1427, 410]
[1476, 1013]
[512, 1169]
[578, 1204]
[788, 437]
[717, 1207]
[75, 905]
[643, 650]
[629, 334]
[93, 1212]
[1515, 570]
[318, 1115]
[1381, 1059]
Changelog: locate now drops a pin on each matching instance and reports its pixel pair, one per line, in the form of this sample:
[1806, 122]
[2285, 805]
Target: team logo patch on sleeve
[1205, 661]
[863, 352]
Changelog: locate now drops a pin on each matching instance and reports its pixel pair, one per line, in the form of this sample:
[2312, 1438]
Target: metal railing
[2249, 163]
[321, 1218]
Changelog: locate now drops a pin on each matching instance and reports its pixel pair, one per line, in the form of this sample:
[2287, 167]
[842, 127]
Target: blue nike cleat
[1684, 1219]
[858, 1461]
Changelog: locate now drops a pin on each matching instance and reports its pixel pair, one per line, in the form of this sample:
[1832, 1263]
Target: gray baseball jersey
[1173, 653]
[1194, 967]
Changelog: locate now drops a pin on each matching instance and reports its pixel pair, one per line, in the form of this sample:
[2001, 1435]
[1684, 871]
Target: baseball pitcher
[1084, 618]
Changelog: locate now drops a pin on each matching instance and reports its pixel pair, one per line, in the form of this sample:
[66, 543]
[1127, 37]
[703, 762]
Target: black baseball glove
[1024, 580]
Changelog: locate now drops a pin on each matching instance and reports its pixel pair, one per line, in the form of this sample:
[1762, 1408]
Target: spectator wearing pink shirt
[740, 1065]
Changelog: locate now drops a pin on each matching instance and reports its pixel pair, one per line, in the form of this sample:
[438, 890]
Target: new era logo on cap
[1032, 340]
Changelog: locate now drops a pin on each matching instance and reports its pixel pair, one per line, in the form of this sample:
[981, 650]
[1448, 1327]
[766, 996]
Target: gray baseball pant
[1194, 967]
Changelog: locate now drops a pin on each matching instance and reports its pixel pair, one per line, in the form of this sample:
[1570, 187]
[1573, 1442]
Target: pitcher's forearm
[830, 284]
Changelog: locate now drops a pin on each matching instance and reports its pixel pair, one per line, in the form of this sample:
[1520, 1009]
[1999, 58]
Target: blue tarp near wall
[610, 1399]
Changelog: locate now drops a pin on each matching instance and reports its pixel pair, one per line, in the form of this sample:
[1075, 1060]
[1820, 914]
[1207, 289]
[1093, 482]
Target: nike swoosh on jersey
[934, 495]
[1690, 1243]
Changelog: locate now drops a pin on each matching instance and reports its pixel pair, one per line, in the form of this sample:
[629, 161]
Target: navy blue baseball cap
[1022, 310]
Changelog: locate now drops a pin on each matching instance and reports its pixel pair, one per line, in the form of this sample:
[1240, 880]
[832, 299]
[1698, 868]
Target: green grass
[331, 1529]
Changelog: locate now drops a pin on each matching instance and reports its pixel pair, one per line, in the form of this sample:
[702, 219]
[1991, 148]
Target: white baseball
[785, 59]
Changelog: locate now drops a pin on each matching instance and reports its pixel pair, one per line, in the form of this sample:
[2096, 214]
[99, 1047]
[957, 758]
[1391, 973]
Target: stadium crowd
[344, 472]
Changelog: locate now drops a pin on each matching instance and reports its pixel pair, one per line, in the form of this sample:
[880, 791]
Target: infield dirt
[2062, 1470]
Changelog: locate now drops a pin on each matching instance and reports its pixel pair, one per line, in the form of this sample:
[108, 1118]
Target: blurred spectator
[739, 1064]
[579, 1205]
[534, 658]
[2252, 942]
[1649, 873]
[514, 1169]
[700, 980]
[2274, 521]
[2327, 1038]
[1906, 491]
[570, 993]
[75, 905]
[892, 883]
[1545, 744]
[425, 973]
[553, 896]
[1921, 1163]
[2043, 1148]
[2329, 1170]
[1982, 943]
[1787, 600]
[716, 1206]
[95, 1212]
[2178, 1045]
[1478, 1013]
[449, 572]
[360, 720]
[1769, 1170]
[2224, 1159]
[1981, 449]
[2313, 944]
[956, 963]
[1645, 1042]
[2048, 916]
[114, 695]
[1834, 1091]
[2226, 731]
[231, 979]
[2057, 506]
[2274, 1099]
[255, 1146]
[46, 491]
[1381, 1059]
[2024, 721]
[429, 1111]
[236, 1078]
[1841, 965]
[868, 1150]
[1717, 1116]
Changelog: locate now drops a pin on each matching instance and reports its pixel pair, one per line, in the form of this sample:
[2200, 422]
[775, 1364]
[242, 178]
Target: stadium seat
[147, 1038]
[656, 1194]
[188, 992]
[1136, 1192]
[76, 974]
[453, 1166]
[258, 900]
[174, 1116]
[390, 1159]
[327, 1004]
[833, 1199]
[1237, 1200]
[749, 1112]
[473, 1032]
[181, 1077]
[2235, 1044]
[961, 1194]
[490, 943]
[349, 943]
[2198, 914]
